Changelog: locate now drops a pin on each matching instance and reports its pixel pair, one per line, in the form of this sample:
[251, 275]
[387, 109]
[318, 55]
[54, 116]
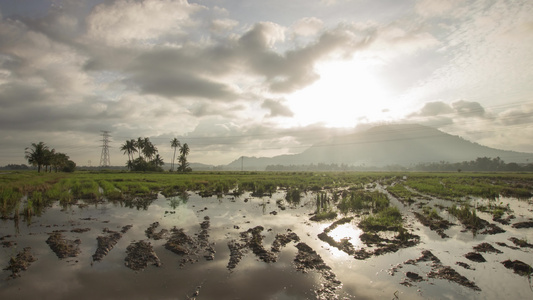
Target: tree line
[41, 156]
[480, 164]
[148, 158]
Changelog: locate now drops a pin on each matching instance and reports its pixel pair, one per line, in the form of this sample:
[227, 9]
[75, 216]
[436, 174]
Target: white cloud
[127, 22]
[307, 26]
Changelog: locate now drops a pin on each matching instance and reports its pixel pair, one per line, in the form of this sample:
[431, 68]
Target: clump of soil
[190, 248]
[464, 265]
[20, 263]
[382, 246]
[151, 234]
[62, 247]
[437, 223]
[486, 248]
[439, 271]
[519, 267]
[526, 224]
[252, 239]
[520, 243]
[307, 259]
[107, 242]
[80, 230]
[344, 245]
[474, 256]
[283, 239]
[446, 272]
[139, 255]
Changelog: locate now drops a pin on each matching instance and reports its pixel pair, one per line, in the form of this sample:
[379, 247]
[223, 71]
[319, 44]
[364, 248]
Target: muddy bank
[191, 248]
[107, 242]
[437, 271]
[377, 245]
[519, 267]
[252, 239]
[20, 263]
[436, 223]
[152, 234]
[306, 260]
[62, 247]
[139, 255]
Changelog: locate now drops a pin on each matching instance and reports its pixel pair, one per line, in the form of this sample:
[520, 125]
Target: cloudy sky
[259, 78]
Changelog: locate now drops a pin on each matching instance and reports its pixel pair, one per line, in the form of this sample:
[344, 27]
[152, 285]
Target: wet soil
[307, 259]
[107, 242]
[139, 255]
[519, 267]
[20, 263]
[191, 248]
[438, 271]
[62, 247]
[526, 224]
[377, 245]
[486, 248]
[436, 224]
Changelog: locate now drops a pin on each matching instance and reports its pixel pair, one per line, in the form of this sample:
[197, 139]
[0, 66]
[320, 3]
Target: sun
[347, 93]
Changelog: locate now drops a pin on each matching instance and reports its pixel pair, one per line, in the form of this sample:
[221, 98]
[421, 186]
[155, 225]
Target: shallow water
[52, 278]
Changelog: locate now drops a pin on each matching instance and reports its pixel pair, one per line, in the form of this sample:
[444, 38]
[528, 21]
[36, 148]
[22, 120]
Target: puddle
[266, 269]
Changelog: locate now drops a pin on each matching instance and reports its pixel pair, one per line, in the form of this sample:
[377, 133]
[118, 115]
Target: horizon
[236, 79]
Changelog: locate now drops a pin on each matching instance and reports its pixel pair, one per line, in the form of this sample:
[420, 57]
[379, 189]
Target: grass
[347, 189]
[389, 218]
[361, 199]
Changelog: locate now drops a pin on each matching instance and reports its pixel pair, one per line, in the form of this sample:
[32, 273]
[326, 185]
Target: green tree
[129, 147]
[183, 164]
[36, 155]
[174, 144]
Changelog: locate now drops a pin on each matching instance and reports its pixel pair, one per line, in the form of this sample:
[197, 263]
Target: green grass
[389, 218]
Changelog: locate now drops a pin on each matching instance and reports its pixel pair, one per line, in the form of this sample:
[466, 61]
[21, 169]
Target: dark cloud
[277, 108]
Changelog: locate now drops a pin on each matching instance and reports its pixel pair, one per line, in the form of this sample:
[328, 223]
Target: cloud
[307, 26]
[276, 108]
[132, 22]
[431, 8]
[468, 109]
[434, 109]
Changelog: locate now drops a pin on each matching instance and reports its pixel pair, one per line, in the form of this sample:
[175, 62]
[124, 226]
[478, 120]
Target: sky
[259, 78]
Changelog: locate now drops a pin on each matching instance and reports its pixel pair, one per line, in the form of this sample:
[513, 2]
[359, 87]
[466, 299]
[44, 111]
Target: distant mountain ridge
[398, 144]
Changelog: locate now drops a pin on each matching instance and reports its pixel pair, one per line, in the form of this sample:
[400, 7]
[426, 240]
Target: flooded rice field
[246, 247]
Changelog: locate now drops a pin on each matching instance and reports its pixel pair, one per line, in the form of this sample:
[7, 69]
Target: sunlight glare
[347, 93]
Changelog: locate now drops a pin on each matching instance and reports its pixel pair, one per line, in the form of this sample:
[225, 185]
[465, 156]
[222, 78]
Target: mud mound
[151, 234]
[191, 248]
[307, 259]
[139, 255]
[519, 267]
[62, 247]
[487, 248]
[20, 263]
[106, 243]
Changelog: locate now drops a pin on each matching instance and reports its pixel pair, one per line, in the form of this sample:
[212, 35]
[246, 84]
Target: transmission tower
[104, 158]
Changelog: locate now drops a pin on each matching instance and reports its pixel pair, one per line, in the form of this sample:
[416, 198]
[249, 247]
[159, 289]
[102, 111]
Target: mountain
[398, 144]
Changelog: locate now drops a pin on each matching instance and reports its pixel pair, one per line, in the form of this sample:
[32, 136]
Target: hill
[398, 144]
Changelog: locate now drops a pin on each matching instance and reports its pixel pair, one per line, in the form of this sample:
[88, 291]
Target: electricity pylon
[104, 158]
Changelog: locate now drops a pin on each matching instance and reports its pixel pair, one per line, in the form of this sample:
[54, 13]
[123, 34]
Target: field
[266, 235]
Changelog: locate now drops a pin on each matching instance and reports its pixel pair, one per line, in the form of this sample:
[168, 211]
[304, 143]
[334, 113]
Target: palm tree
[140, 145]
[149, 149]
[184, 165]
[36, 155]
[129, 147]
[158, 161]
[184, 150]
[174, 144]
